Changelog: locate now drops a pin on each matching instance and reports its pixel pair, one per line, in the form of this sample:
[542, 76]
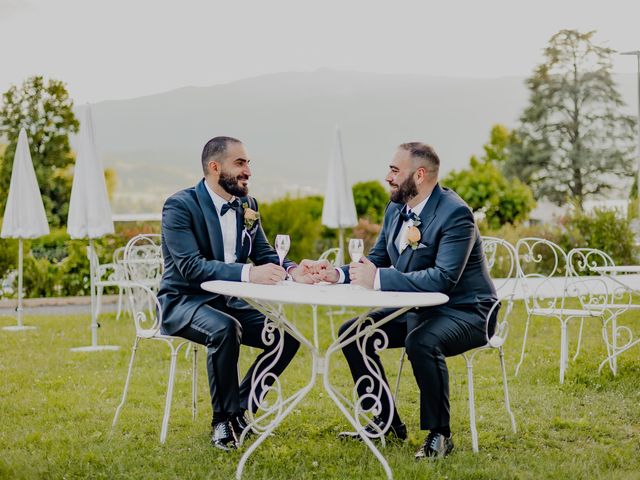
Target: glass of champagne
[356, 249]
[283, 242]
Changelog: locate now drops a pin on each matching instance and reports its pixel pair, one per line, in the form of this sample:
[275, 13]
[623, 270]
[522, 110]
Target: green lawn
[56, 408]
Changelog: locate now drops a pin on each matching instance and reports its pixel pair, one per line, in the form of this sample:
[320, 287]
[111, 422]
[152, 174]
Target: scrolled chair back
[543, 271]
[500, 256]
[330, 255]
[592, 289]
[145, 309]
[143, 262]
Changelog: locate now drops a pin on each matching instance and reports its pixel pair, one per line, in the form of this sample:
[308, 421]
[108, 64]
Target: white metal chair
[107, 275]
[147, 315]
[615, 298]
[501, 255]
[544, 273]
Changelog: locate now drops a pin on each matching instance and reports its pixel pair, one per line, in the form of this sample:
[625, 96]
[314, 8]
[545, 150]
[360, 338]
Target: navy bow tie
[235, 205]
[408, 216]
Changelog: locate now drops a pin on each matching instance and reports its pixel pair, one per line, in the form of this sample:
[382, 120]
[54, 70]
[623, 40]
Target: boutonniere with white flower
[250, 216]
[413, 233]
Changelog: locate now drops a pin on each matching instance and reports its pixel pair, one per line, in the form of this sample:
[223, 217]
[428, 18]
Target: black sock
[446, 431]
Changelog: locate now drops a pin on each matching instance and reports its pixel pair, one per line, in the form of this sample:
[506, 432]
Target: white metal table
[628, 276]
[268, 299]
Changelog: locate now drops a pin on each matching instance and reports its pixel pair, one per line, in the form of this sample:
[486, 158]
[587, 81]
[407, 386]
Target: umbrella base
[95, 348]
[18, 328]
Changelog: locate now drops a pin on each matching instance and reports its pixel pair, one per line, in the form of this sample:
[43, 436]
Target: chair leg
[564, 350]
[505, 386]
[167, 405]
[120, 295]
[472, 404]
[126, 382]
[613, 363]
[333, 328]
[579, 339]
[194, 384]
[395, 395]
[524, 344]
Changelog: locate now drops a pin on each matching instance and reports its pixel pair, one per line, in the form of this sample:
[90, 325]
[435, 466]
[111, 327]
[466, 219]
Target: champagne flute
[356, 249]
[283, 242]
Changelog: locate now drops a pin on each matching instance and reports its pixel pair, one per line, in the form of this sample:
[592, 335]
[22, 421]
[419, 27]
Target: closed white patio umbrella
[89, 210]
[339, 209]
[24, 215]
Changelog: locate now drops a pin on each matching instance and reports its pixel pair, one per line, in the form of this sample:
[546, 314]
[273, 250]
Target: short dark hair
[424, 152]
[216, 147]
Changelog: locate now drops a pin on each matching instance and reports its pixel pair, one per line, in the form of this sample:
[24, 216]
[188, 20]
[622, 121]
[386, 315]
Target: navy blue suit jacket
[449, 258]
[194, 253]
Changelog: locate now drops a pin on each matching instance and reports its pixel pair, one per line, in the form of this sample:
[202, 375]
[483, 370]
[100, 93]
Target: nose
[247, 170]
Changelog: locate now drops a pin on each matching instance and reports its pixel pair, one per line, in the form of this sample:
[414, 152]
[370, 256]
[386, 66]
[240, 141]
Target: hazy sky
[126, 48]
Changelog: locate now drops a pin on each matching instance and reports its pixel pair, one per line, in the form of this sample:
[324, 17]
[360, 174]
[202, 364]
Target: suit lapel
[242, 244]
[392, 232]
[426, 217]
[212, 221]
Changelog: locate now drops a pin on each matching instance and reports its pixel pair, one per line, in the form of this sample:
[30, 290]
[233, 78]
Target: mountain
[287, 122]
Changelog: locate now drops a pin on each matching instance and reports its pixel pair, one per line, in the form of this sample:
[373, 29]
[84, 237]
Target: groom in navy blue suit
[429, 243]
[208, 233]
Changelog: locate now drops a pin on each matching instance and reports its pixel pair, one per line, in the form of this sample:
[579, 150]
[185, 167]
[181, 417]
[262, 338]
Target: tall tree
[44, 109]
[573, 142]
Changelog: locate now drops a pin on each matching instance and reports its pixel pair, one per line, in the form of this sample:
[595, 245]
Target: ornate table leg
[365, 329]
[272, 413]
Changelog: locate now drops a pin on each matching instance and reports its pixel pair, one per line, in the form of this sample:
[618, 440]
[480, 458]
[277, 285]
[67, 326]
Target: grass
[56, 408]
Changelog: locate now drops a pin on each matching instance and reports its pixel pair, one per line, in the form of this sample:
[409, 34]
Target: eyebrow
[242, 160]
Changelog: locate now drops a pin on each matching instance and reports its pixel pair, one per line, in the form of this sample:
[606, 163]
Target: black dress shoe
[223, 436]
[396, 431]
[239, 423]
[436, 445]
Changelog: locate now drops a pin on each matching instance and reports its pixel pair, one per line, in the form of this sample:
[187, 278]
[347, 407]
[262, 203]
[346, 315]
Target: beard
[406, 191]
[232, 185]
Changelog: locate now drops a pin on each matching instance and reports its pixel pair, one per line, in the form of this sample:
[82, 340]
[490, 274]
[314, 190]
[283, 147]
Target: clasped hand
[314, 271]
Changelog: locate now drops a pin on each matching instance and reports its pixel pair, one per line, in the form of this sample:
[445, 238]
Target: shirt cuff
[376, 281]
[244, 276]
[341, 276]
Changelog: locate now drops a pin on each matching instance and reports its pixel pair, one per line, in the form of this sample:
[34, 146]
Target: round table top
[325, 294]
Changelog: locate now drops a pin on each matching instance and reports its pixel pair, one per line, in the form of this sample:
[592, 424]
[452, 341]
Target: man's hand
[324, 271]
[303, 273]
[363, 273]
[267, 274]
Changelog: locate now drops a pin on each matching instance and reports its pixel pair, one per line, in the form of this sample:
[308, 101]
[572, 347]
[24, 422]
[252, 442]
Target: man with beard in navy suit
[429, 242]
[208, 233]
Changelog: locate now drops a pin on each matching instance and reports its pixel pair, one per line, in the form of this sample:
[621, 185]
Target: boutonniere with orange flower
[250, 216]
[413, 233]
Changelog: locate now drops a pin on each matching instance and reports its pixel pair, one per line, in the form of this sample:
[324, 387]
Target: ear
[213, 167]
[421, 175]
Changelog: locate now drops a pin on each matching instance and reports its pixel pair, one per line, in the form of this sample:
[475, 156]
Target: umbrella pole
[20, 260]
[94, 347]
[94, 320]
[341, 256]
[19, 326]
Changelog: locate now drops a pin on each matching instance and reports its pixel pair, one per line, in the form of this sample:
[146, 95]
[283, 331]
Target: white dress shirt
[400, 241]
[228, 225]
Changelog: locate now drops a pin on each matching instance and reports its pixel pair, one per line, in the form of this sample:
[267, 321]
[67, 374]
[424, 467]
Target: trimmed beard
[232, 185]
[405, 192]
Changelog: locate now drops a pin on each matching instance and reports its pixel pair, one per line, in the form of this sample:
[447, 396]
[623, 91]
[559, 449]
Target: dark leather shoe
[435, 445]
[396, 431]
[239, 423]
[223, 436]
